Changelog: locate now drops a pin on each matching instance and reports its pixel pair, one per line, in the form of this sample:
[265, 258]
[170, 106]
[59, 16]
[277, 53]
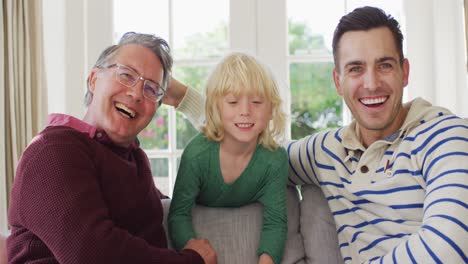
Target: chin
[374, 123]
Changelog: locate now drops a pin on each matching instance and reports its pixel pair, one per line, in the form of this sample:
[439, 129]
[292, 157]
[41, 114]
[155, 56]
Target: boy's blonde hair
[241, 73]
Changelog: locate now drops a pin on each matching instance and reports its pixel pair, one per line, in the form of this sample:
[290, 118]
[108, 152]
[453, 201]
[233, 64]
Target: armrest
[3, 251]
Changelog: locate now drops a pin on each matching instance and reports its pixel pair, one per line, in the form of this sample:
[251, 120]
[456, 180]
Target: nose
[136, 91]
[371, 80]
[244, 108]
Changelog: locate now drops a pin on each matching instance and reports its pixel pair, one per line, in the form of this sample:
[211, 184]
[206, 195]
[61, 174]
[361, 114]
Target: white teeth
[244, 125]
[371, 101]
[125, 109]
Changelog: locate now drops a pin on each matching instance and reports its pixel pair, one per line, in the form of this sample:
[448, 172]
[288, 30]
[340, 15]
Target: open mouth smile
[375, 101]
[125, 110]
[244, 125]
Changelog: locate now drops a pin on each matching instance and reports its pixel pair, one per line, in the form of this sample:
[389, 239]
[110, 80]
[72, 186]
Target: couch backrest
[235, 232]
[318, 228]
[3, 254]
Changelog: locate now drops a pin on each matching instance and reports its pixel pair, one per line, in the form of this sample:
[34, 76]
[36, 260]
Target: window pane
[315, 104]
[160, 169]
[185, 131]
[155, 135]
[310, 31]
[200, 28]
[195, 77]
[141, 16]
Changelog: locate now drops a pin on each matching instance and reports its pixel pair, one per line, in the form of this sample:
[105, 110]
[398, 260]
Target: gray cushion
[3, 251]
[235, 232]
[318, 228]
[294, 249]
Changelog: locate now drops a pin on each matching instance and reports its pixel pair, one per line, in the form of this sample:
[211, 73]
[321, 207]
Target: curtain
[466, 31]
[23, 92]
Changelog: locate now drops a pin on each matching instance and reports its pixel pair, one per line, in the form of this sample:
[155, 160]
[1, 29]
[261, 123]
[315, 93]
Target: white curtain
[466, 31]
[23, 92]
[436, 47]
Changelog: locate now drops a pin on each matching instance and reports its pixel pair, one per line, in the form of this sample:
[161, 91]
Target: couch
[235, 232]
[3, 255]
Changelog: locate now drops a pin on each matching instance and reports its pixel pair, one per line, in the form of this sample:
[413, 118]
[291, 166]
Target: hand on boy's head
[204, 249]
[175, 92]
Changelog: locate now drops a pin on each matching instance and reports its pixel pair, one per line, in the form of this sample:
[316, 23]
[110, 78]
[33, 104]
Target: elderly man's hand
[175, 92]
[204, 248]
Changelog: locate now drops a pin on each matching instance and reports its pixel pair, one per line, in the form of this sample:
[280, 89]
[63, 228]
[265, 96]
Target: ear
[406, 69]
[336, 80]
[92, 79]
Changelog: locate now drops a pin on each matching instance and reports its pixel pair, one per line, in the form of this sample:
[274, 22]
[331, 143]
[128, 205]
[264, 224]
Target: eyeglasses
[128, 77]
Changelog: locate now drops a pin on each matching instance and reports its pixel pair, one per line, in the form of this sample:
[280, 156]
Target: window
[301, 57]
[198, 37]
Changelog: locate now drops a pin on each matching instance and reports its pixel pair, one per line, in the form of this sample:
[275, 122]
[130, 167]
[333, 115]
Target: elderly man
[84, 191]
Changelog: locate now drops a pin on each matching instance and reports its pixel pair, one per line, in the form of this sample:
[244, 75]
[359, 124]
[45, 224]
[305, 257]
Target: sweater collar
[83, 127]
[419, 111]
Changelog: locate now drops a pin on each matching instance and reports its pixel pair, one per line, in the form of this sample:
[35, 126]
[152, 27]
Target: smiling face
[371, 79]
[121, 111]
[244, 118]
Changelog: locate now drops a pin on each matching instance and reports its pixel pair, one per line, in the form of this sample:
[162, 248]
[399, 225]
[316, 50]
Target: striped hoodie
[401, 200]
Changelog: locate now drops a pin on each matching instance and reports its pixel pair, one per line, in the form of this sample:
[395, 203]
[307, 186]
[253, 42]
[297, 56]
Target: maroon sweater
[78, 198]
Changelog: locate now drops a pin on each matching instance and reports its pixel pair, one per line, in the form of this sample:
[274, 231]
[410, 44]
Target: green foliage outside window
[195, 77]
[155, 135]
[315, 104]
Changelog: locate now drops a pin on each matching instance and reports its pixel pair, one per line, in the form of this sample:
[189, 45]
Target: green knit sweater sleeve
[273, 198]
[186, 190]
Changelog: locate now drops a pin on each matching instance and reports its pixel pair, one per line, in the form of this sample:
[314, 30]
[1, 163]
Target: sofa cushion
[3, 251]
[294, 248]
[235, 232]
[318, 228]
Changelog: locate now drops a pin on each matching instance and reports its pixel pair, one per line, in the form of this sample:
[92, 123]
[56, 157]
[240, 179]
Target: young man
[396, 178]
[84, 192]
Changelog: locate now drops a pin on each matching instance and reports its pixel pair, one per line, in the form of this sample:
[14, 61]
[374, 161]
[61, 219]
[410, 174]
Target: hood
[419, 111]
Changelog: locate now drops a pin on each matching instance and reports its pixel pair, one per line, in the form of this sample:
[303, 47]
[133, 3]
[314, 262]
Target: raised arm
[187, 101]
[175, 93]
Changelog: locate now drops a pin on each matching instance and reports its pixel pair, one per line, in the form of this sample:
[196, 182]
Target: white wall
[436, 51]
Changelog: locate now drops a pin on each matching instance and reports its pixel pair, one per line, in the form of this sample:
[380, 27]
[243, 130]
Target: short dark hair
[158, 45]
[366, 18]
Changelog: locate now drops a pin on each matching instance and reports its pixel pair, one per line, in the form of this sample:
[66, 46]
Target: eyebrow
[386, 58]
[379, 60]
[353, 63]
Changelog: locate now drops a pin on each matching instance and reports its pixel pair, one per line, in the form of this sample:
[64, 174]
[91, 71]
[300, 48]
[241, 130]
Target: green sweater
[199, 180]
